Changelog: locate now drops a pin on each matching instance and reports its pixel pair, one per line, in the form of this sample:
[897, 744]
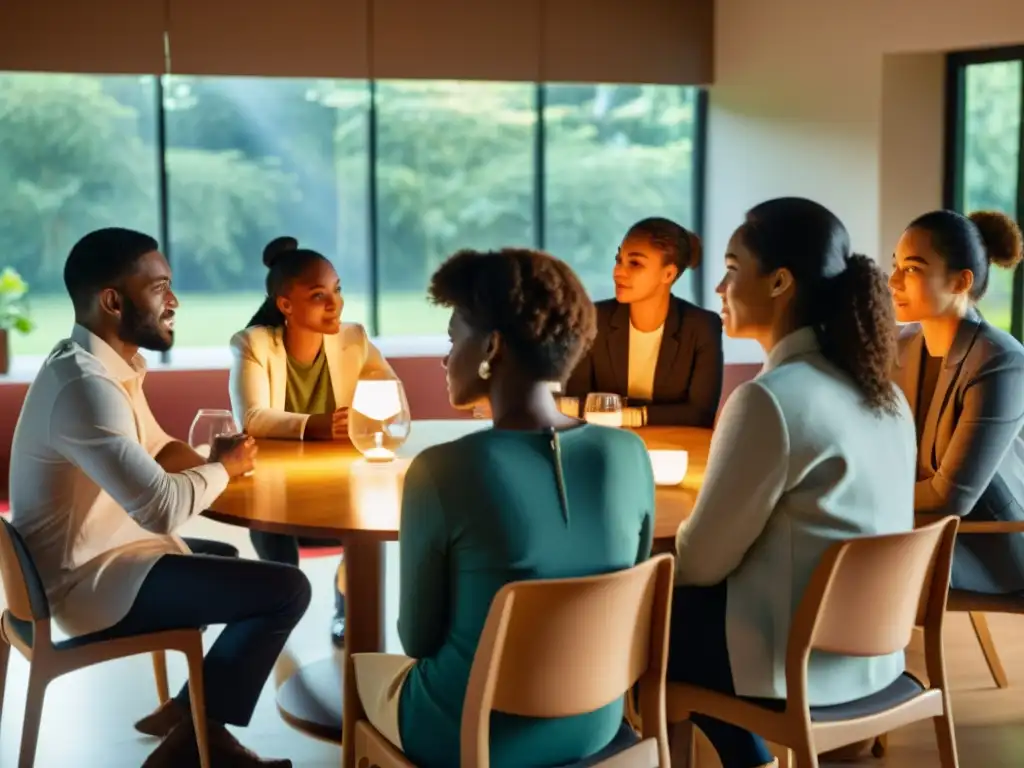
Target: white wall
[838, 101]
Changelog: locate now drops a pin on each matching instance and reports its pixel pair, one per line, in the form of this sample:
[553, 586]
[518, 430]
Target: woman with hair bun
[818, 449]
[964, 380]
[295, 368]
[662, 352]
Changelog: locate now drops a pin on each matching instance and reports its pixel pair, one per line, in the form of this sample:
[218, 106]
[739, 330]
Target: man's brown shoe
[162, 720]
[179, 750]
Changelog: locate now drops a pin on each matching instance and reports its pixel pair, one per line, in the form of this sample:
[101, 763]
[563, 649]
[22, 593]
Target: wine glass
[209, 425]
[379, 421]
[603, 408]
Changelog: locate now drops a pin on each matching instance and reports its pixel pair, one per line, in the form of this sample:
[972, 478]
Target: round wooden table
[326, 490]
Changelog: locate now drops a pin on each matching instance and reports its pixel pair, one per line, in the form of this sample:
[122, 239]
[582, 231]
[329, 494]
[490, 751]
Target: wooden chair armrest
[994, 526]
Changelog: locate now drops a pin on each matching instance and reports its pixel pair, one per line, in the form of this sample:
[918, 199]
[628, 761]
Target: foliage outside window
[248, 159]
[991, 170]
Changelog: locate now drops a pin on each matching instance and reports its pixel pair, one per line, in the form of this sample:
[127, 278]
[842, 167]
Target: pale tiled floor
[87, 721]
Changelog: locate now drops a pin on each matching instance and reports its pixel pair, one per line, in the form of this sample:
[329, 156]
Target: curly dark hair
[533, 300]
[844, 296]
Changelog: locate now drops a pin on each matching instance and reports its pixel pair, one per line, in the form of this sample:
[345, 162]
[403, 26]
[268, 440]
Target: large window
[615, 154]
[387, 179]
[987, 141]
[249, 160]
[76, 153]
[454, 169]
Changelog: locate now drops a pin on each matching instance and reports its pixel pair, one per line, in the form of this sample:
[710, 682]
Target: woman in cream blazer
[259, 377]
[819, 448]
[295, 368]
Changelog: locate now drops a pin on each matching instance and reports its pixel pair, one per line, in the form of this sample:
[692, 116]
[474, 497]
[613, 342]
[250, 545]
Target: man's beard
[143, 330]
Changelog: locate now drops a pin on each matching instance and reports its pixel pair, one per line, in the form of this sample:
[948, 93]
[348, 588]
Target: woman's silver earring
[484, 370]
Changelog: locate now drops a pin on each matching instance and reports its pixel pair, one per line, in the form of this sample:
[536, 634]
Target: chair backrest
[562, 647]
[867, 594]
[26, 598]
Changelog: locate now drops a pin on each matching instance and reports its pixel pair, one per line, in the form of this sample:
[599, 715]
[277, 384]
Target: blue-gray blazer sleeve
[991, 418]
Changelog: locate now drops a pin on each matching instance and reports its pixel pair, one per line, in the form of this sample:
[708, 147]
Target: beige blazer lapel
[277, 367]
[334, 348]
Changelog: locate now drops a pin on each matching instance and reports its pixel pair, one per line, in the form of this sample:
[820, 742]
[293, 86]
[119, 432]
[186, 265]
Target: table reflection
[375, 488]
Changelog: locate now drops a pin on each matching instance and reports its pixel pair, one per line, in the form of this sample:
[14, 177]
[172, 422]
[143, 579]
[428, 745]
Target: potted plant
[14, 313]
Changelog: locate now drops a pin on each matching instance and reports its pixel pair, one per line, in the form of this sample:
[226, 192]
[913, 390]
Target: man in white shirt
[98, 488]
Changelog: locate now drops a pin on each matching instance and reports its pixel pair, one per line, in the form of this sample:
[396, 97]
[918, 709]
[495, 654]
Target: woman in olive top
[661, 352]
[965, 382]
[295, 369]
[515, 502]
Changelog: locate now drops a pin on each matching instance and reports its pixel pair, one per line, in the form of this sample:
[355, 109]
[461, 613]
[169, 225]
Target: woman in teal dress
[539, 496]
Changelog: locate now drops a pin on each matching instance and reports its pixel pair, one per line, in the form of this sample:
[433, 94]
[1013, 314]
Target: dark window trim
[986, 56]
[540, 162]
[373, 238]
[699, 174]
[162, 196]
[953, 155]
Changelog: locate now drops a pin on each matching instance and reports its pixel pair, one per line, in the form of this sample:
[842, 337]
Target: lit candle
[378, 454]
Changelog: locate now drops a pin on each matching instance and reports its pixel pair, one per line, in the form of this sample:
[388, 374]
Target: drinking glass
[379, 420]
[604, 409]
[209, 426]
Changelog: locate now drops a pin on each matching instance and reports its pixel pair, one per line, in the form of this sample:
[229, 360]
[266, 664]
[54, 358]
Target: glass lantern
[378, 420]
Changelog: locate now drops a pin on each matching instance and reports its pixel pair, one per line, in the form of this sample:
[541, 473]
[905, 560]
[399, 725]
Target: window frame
[953, 160]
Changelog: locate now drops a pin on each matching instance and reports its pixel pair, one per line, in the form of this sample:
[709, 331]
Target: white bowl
[669, 466]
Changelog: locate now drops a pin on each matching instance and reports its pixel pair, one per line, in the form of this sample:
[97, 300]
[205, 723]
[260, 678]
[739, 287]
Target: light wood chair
[864, 599]
[562, 647]
[976, 604]
[26, 626]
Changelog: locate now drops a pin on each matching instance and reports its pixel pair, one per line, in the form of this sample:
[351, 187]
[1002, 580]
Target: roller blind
[628, 41]
[92, 36]
[456, 39]
[271, 38]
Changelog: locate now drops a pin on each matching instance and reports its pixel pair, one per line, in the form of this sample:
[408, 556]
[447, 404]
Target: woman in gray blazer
[964, 380]
[817, 449]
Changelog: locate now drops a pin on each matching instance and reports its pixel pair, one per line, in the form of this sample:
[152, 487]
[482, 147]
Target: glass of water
[603, 408]
[210, 427]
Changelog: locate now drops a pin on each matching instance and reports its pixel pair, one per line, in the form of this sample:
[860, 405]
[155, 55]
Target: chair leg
[803, 756]
[988, 648]
[163, 690]
[37, 682]
[682, 739]
[946, 738]
[197, 700]
[881, 746]
[784, 757]
[5, 657]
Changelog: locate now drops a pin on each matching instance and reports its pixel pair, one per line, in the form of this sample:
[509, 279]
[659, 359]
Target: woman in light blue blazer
[964, 380]
[817, 449]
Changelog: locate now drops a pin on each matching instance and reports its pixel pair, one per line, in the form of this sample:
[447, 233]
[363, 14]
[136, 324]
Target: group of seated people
[852, 427]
